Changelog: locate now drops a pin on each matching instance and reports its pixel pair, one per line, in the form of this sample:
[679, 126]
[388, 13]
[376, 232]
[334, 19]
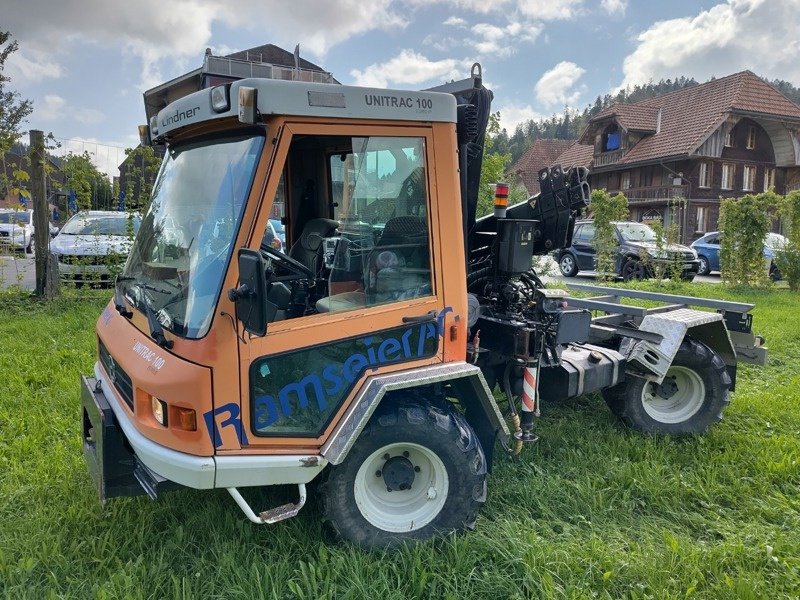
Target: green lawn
[593, 510]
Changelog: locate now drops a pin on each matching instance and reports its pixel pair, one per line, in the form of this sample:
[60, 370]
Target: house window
[749, 182]
[751, 138]
[730, 139]
[769, 178]
[728, 171]
[700, 219]
[612, 139]
[626, 180]
[705, 175]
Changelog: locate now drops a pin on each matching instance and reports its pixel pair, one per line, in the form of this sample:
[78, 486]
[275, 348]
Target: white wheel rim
[566, 264]
[682, 404]
[704, 266]
[399, 511]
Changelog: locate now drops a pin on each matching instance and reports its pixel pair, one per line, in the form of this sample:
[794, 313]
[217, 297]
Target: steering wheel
[287, 262]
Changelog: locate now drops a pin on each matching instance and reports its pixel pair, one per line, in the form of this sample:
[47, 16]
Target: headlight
[159, 410]
[694, 253]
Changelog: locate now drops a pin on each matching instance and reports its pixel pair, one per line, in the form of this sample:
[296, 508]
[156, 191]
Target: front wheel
[692, 396]
[704, 268]
[568, 266]
[416, 471]
[633, 269]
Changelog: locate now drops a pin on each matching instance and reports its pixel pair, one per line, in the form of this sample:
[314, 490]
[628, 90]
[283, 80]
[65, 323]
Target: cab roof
[300, 98]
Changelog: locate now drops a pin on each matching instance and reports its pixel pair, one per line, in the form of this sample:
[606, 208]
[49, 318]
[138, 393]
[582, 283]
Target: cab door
[583, 246]
[377, 304]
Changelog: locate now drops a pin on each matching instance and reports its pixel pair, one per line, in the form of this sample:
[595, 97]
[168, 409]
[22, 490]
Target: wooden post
[46, 277]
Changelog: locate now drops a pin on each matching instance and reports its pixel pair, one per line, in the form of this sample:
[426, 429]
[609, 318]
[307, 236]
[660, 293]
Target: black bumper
[112, 463]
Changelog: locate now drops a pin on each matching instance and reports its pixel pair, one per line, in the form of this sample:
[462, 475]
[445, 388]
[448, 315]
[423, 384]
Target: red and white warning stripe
[529, 390]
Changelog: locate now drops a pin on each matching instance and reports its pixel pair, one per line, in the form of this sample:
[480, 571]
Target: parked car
[92, 242]
[17, 229]
[636, 252]
[271, 237]
[280, 230]
[707, 248]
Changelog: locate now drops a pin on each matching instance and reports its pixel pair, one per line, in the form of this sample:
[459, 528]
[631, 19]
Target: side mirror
[252, 307]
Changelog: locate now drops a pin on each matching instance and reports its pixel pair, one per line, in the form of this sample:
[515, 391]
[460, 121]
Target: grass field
[593, 510]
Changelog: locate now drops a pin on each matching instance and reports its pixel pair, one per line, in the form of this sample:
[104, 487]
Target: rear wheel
[568, 266]
[690, 399]
[416, 471]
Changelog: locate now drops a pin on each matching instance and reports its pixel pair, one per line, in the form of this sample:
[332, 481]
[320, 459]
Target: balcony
[639, 195]
[607, 158]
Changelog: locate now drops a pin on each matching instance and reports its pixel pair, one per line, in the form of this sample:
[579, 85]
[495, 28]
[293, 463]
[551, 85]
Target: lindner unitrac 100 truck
[366, 355]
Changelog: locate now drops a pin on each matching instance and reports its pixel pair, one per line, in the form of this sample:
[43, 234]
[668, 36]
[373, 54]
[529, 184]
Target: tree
[14, 111]
[606, 209]
[92, 188]
[744, 223]
[493, 170]
[139, 173]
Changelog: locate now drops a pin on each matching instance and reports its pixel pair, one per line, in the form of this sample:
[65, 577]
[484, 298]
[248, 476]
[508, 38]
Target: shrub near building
[788, 257]
[745, 223]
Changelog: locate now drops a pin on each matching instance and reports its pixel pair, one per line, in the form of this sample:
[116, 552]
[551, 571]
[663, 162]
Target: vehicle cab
[371, 282]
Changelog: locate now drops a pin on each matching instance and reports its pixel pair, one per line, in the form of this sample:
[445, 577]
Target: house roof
[274, 55]
[577, 155]
[690, 115]
[632, 117]
[542, 153]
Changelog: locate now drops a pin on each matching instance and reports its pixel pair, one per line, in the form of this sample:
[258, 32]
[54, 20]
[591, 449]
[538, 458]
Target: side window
[380, 200]
[587, 234]
[363, 233]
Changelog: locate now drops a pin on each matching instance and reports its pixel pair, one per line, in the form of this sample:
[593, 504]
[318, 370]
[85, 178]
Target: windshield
[102, 225]
[21, 217]
[636, 232]
[185, 240]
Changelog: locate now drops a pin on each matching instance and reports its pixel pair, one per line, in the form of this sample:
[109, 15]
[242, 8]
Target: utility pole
[46, 267]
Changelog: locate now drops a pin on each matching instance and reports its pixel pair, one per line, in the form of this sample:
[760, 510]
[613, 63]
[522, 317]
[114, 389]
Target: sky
[86, 63]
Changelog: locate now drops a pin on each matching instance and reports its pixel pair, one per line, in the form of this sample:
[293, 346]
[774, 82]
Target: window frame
[290, 131]
[749, 182]
[726, 183]
[769, 178]
[705, 174]
[751, 138]
[701, 217]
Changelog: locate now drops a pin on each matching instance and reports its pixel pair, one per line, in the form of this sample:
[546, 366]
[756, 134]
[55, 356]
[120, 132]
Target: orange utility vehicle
[366, 355]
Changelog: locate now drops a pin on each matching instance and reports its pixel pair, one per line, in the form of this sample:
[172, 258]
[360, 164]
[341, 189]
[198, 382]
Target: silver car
[94, 244]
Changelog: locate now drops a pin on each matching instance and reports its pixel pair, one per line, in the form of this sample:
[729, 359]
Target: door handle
[428, 316]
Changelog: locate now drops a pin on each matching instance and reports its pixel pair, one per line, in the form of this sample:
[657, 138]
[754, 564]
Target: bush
[745, 223]
[605, 209]
[788, 257]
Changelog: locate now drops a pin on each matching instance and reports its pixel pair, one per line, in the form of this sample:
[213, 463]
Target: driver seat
[306, 249]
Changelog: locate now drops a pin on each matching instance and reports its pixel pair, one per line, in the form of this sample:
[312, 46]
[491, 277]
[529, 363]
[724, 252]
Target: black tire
[704, 268]
[704, 408]
[568, 265]
[774, 272]
[633, 269]
[30, 248]
[441, 432]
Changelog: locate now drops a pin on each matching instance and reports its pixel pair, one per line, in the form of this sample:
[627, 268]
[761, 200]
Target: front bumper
[115, 469]
[123, 462]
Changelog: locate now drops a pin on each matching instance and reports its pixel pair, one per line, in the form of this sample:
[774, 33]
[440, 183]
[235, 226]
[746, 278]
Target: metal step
[273, 515]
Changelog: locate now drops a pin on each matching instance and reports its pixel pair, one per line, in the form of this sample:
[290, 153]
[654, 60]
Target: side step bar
[273, 515]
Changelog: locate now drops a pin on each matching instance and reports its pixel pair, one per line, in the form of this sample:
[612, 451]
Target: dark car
[637, 251]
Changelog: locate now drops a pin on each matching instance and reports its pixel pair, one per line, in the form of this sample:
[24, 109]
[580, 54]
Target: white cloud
[558, 86]
[155, 31]
[55, 108]
[503, 41]
[512, 115]
[455, 22]
[409, 69]
[759, 35]
[27, 65]
[549, 10]
[51, 109]
[613, 7]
